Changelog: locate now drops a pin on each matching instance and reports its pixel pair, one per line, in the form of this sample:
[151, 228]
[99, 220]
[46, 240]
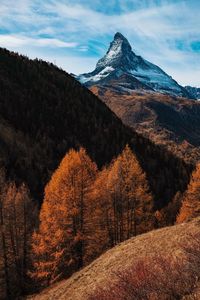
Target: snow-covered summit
[117, 53]
[121, 63]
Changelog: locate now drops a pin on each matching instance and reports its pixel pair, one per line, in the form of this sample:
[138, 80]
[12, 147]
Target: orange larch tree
[59, 244]
[191, 201]
[122, 201]
[99, 208]
[132, 201]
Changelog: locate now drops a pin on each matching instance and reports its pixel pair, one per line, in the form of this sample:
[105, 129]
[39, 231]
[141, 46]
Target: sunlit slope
[101, 273]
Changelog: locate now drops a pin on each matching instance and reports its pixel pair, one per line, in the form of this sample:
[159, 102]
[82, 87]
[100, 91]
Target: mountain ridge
[194, 91]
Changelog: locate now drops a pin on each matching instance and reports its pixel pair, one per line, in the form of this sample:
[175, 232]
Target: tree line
[85, 211]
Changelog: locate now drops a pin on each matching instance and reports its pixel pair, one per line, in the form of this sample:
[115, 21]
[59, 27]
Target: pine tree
[191, 201]
[59, 245]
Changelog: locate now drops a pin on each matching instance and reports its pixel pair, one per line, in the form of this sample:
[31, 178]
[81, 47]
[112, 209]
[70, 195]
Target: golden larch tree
[99, 209]
[59, 244]
[132, 201]
[124, 202]
[190, 208]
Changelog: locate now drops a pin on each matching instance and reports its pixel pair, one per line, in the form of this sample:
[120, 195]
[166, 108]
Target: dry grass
[102, 272]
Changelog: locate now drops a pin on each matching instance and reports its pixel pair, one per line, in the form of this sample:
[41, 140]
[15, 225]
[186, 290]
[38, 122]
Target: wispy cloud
[9, 40]
[166, 32]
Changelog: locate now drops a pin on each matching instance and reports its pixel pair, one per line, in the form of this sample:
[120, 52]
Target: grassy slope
[101, 271]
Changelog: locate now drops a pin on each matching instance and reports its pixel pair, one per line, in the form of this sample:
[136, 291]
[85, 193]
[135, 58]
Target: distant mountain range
[123, 69]
[194, 91]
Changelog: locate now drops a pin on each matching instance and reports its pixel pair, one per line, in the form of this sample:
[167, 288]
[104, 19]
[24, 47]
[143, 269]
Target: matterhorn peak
[123, 66]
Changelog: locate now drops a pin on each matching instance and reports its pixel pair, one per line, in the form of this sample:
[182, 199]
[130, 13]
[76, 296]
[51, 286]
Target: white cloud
[7, 40]
[154, 21]
[83, 48]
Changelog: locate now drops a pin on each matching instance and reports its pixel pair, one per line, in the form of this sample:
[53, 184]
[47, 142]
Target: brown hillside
[102, 272]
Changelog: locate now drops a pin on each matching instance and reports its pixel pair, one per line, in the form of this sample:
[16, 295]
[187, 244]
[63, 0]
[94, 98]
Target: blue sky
[74, 34]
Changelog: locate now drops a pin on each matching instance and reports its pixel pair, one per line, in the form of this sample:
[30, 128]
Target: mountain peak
[120, 60]
[120, 36]
[121, 40]
[118, 50]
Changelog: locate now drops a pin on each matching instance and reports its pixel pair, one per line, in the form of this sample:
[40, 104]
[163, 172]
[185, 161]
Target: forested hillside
[44, 112]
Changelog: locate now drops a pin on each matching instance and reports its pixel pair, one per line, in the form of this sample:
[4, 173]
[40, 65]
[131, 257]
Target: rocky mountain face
[130, 72]
[194, 91]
